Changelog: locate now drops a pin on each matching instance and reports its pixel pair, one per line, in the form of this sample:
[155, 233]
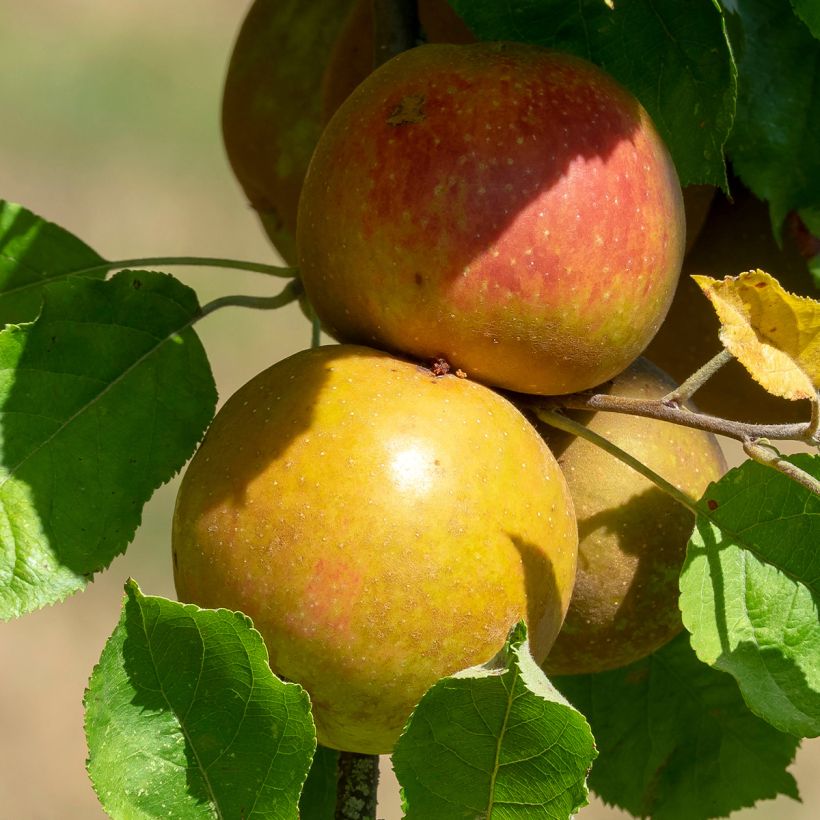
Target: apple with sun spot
[358, 508]
[505, 207]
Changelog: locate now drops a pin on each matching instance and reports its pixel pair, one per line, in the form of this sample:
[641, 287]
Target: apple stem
[290, 293]
[358, 780]
[395, 28]
[686, 390]
[191, 261]
[764, 453]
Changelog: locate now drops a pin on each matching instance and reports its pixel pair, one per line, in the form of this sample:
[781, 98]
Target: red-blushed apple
[382, 526]
[292, 65]
[507, 208]
[632, 535]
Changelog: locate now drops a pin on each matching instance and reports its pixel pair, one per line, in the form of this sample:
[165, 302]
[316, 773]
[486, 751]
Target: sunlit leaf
[750, 591]
[33, 253]
[102, 399]
[494, 738]
[774, 334]
[185, 719]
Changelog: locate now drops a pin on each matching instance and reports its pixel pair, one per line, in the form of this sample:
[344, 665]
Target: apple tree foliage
[105, 391]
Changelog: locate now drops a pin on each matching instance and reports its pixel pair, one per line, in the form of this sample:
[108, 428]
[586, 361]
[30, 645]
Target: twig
[357, 785]
[686, 390]
[395, 28]
[764, 453]
[656, 409]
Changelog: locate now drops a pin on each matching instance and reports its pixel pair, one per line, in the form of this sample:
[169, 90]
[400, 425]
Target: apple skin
[507, 208]
[351, 60]
[272, 104]
[737, 237]
[382, 526]
[291, 66]
[632, 536]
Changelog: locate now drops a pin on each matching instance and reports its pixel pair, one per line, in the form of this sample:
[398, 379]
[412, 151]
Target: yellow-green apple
[383, 526]
[272, 104]
[737, 237]
[632, 536]
[507, 208]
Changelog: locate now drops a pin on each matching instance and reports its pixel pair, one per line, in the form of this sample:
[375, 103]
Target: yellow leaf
[774, 334]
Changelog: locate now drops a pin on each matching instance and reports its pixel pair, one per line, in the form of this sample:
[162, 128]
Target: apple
[381, 525]
[507, 208]
[272, 105]
[632, 536]
[737, 237]
[351, 60]
[291, 66]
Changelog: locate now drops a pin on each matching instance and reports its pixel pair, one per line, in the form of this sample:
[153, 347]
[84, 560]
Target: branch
[685, 391]
[356, 787]
[395, 28]
[764, 453]
[657, 409]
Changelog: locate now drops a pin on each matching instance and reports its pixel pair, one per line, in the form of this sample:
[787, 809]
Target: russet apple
[382, 526]
[507, 208]
[632, 536]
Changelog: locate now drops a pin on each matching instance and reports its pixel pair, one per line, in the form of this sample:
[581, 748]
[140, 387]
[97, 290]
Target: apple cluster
[478, 223]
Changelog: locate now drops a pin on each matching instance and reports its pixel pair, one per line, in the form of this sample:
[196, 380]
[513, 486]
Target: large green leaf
[102, 399]
[774, 146]
[750, 591]
[676, 740]
[33, 253]
[185, 719]
[495, 741]
[673, 56]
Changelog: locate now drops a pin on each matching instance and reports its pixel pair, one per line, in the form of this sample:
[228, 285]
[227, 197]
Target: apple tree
[377, 541]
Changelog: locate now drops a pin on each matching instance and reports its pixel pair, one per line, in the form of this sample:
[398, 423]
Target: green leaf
[673, 56]
[33, 253]
[809, 13]
[185, 719]
[102, 399]
[750, 594]
[318, 800]
[676, 741]
[495, 741]
[774, 145]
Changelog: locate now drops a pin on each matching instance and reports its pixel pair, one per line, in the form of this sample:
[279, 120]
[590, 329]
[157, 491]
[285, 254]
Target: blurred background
[111, 129]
